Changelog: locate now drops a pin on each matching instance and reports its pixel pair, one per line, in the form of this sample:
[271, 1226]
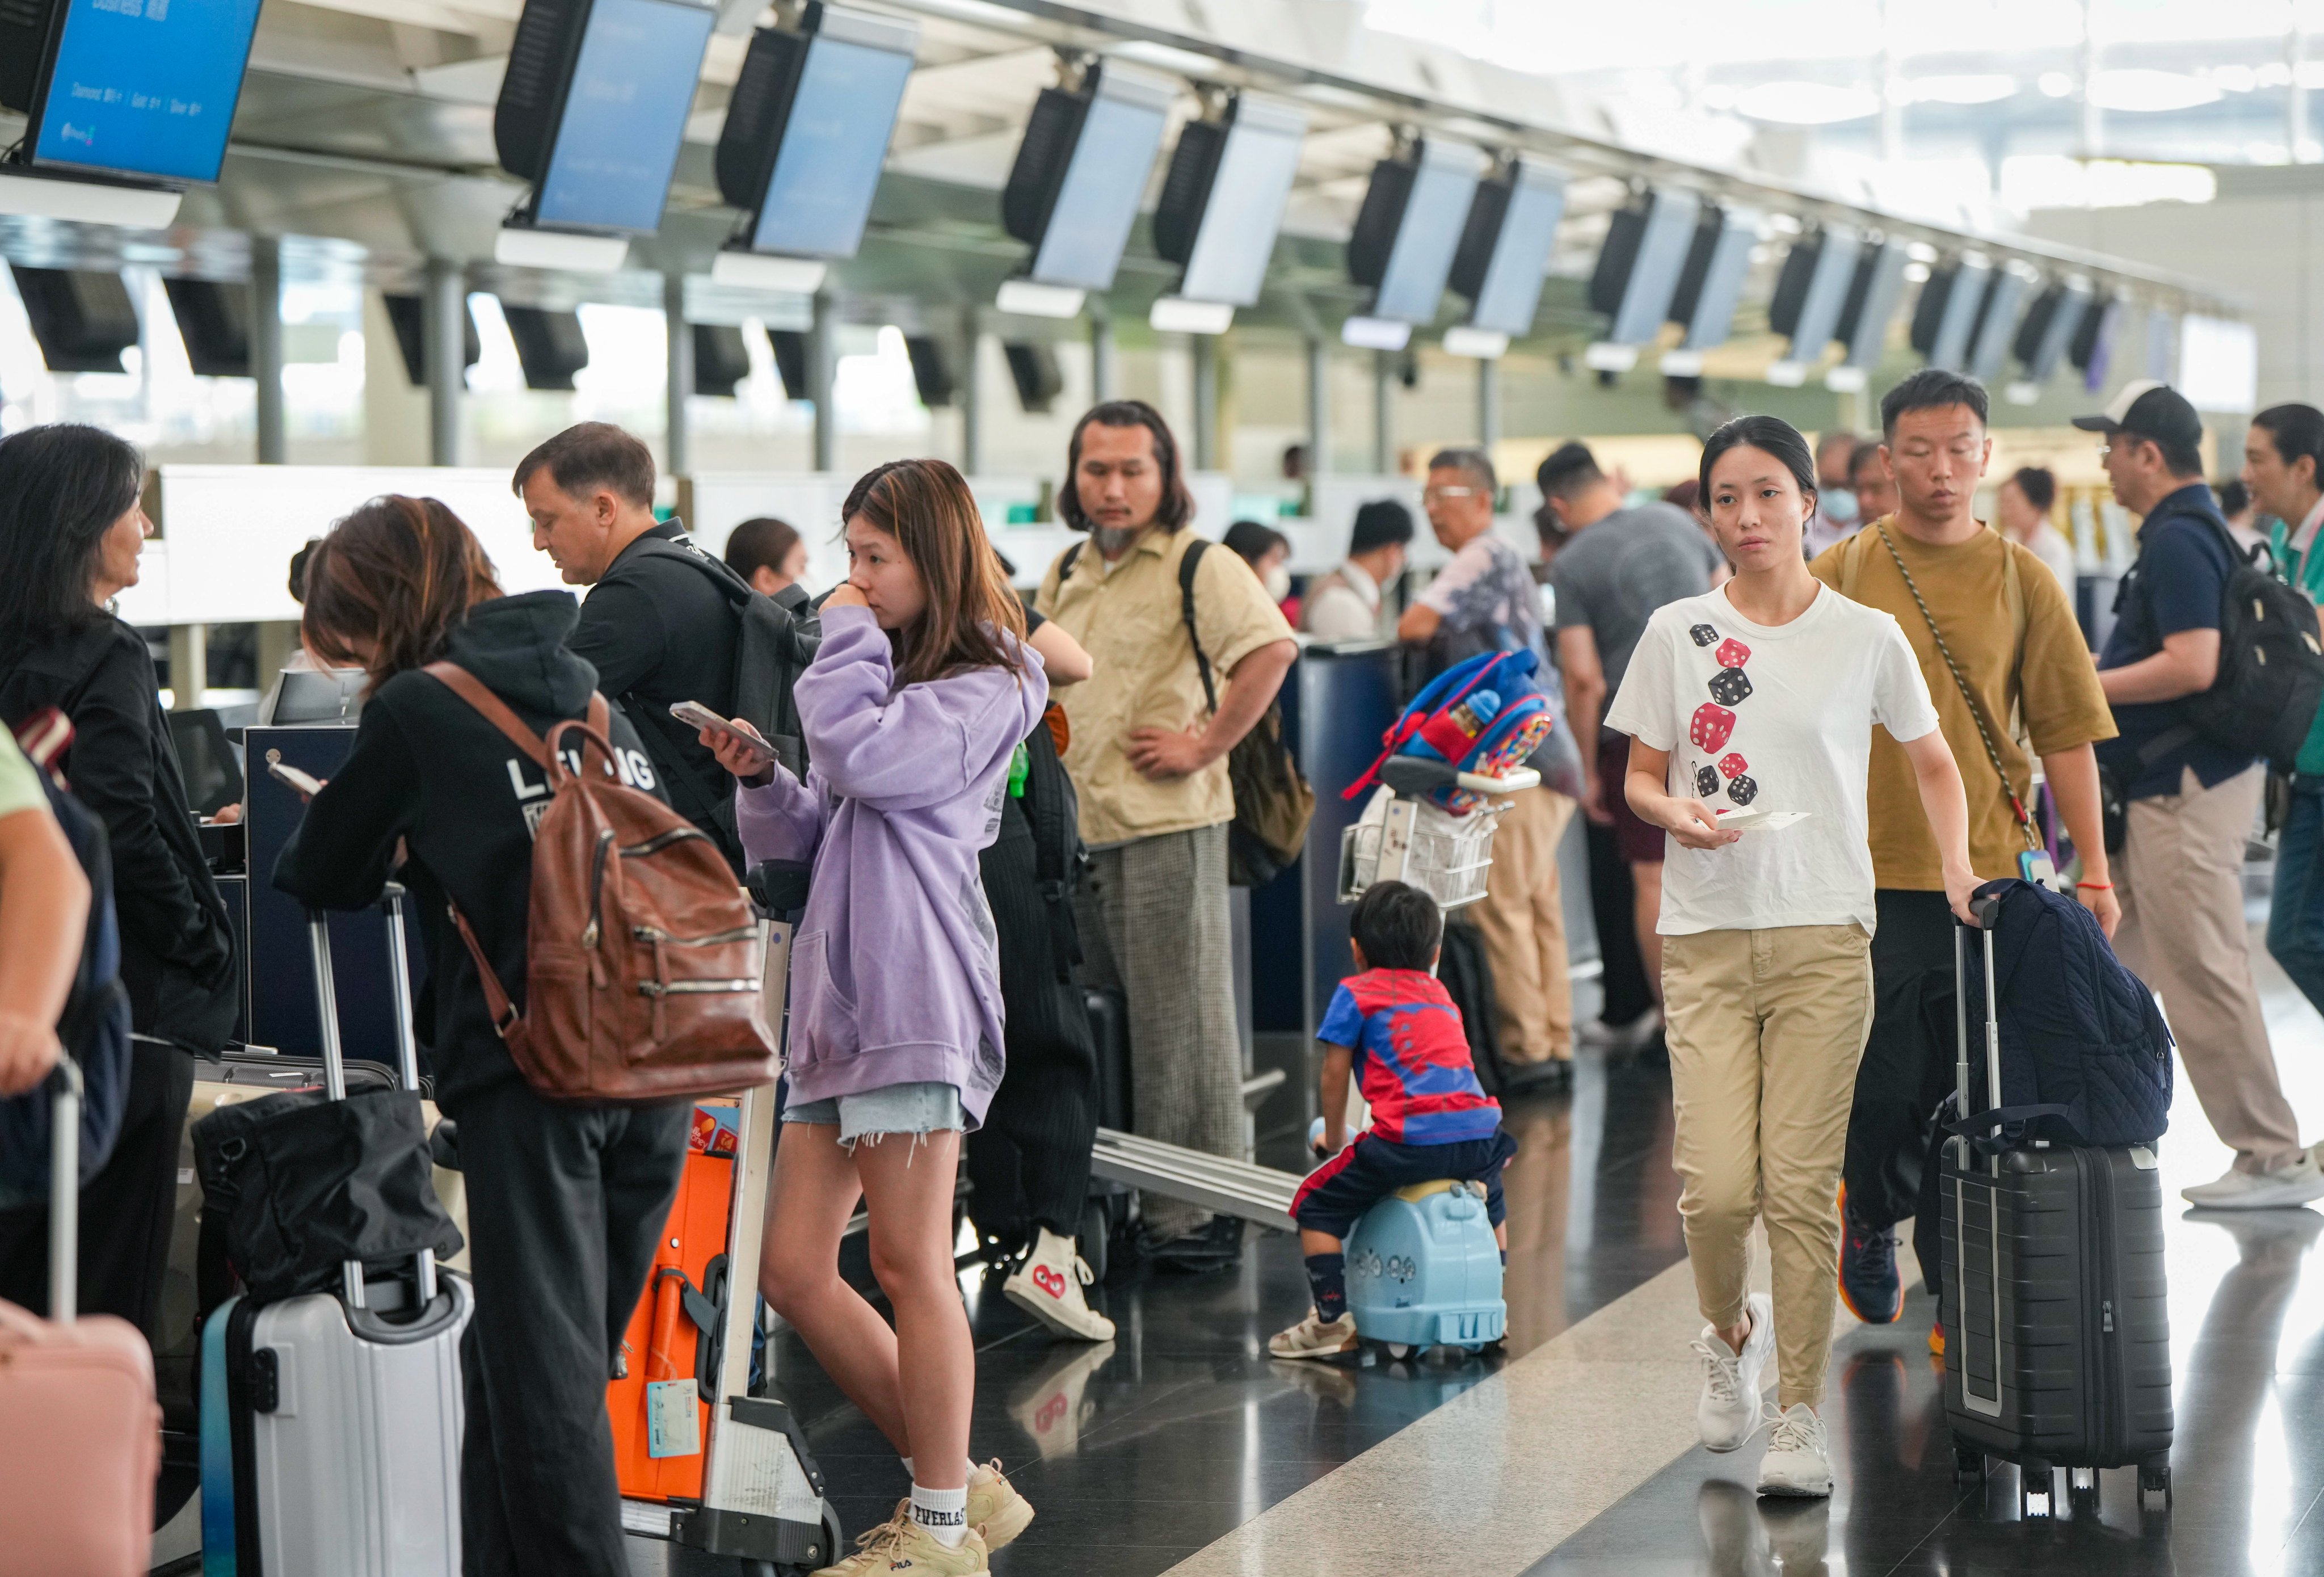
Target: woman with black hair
[70, 529]
[1763, 692]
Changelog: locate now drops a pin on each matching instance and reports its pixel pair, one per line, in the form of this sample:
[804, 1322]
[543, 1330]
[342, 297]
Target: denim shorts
[918, 1109]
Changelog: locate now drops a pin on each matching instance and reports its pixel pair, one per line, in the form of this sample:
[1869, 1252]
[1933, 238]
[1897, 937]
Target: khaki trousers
[1766, 1028]
[2179, 879]
[1522, 918]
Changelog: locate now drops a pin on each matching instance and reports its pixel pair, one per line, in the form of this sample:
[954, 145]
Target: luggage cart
[763, 1497]
[1404, 836]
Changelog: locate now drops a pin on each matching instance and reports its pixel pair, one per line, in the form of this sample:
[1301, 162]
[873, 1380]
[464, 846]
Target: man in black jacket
[661, 625]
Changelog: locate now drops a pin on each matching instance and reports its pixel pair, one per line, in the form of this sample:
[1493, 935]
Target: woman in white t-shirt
[1760, 697]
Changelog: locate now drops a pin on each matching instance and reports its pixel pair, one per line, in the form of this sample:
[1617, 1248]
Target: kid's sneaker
[1728, 1413]
[1315, 1337]
[900, 1545]
[1047, 1284]
[1796, 1462]
[995, 1509]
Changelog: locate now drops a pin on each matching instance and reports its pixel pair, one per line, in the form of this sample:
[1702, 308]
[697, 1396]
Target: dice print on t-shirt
[1731, 765]
[1730, 686]
[1743, 790]
[1711, 725]
[1706, 782]
[1732, 654]
[1703, 634]
[1714, 723]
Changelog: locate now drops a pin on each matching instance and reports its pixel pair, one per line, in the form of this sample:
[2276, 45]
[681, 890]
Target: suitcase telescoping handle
[64, 1192]
[1986, 910]
[335, 1067]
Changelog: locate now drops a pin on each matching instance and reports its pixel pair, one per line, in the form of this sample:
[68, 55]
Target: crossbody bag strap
[507, 1023]
[1976, 710]
[1193, 557]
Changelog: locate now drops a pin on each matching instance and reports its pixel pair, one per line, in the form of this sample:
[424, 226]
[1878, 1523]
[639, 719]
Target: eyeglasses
[1437, 494]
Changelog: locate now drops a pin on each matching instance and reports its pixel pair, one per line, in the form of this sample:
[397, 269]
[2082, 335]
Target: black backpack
[1058, 858]
[777, 639]
[2271, 673]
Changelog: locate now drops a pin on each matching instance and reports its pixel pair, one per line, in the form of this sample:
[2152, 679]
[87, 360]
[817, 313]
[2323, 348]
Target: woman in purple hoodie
[911, 710]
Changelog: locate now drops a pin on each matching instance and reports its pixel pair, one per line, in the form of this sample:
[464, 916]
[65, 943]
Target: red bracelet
[2097, 886]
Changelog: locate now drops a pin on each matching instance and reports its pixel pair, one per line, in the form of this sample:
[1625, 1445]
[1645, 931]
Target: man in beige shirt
[2011, 630]
[1149, 762]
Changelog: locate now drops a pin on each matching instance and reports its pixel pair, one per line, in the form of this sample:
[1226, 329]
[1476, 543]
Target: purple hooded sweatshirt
[896, 973]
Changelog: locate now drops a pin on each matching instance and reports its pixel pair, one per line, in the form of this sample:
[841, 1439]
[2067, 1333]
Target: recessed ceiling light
[1807, 104]
[2140, 91]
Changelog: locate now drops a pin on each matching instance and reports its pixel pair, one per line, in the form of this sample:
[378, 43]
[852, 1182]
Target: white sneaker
[2283, 1188]
[1728, 1413]
[1047, 1284]
[1796, 1462]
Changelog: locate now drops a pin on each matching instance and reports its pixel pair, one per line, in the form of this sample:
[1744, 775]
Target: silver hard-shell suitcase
[340, 1414]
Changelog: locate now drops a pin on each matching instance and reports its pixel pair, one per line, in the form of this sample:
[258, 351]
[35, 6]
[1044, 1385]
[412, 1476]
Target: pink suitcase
[80, 1432]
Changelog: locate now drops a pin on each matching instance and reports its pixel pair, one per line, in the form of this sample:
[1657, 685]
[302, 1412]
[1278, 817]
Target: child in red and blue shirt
[1394, 1028]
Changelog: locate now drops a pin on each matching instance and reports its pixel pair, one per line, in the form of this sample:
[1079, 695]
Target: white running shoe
[2281, 1189]
[1047, 1284]
[1730, 1412]
[1796, 1462]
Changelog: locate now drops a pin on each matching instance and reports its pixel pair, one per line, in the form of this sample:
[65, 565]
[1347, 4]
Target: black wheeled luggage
[2054, 1302]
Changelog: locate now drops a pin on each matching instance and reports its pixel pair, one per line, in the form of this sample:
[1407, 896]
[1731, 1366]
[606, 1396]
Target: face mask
[1840, 505]
[1277, 581]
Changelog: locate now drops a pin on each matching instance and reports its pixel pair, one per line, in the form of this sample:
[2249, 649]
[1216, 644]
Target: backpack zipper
[597, 887]
[715, 939]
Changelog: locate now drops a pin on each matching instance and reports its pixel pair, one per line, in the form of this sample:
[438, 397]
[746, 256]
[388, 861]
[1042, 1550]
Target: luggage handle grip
[64, 1190]
[1985, 909]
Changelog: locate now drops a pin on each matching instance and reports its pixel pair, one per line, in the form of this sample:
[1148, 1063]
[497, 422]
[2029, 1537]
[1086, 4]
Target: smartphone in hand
[697, 716]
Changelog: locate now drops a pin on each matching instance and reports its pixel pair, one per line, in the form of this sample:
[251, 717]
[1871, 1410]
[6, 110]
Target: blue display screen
[832, 147]
[1099, 198]
[1426, 239]
[146, 87]
[1512, 286]
[625, 115]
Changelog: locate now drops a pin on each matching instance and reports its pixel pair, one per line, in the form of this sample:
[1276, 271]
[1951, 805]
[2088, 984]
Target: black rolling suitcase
[2054, 1304]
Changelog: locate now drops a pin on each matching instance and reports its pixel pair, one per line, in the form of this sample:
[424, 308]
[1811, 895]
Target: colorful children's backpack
[1484, 715]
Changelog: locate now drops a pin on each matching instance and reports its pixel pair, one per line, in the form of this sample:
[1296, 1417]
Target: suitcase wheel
[1968, 1466]
[2037, 1492]
[2154, 1486]
[1097, 1228]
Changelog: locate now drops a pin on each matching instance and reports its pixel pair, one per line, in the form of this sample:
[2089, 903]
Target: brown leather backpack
[643, 962]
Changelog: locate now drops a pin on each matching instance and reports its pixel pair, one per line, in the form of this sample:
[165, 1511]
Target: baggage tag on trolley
[673, 1418]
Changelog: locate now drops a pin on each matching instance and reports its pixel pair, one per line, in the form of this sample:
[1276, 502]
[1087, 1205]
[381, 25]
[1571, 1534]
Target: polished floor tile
[1140, 1453]
[2247, 1459]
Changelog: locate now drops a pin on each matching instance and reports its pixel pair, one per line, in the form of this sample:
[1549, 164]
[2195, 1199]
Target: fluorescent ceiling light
[1185, 62]
[1375, 334]
[2141, 91]
[2021, 394]
[2055, 84]
[1806, 103]
[1841, 380]
[760, 271]
[1968, 87]
[1484, 345]
[1604, 356]
[88, 202]
[520, 248]
[1787, 375]
[1177, 315]
[1682, 364]
[1023, 296]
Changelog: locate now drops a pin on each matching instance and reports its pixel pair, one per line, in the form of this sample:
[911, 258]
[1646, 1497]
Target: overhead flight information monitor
[1082, 172]
[1224, 200]
[142, 87]
[807, 132]
[594, 106]
[1505, 249]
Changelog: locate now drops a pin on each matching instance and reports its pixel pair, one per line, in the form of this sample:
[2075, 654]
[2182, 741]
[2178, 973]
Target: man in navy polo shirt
[2180, 873]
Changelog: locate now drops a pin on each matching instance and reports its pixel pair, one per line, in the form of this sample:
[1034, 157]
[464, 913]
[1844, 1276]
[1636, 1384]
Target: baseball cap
[2148, 408]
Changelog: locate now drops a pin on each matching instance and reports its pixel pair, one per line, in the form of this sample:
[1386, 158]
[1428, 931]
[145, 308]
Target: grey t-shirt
[1616, 571]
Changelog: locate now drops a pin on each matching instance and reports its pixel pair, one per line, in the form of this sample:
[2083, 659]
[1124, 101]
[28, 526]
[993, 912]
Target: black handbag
[302, 1183]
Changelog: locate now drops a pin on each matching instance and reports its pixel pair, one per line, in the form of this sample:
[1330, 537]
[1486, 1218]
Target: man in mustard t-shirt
[2012, 633]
